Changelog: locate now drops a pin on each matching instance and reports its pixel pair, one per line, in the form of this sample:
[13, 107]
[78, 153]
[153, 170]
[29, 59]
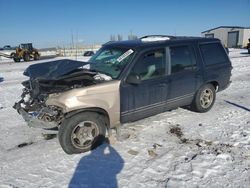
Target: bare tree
[119, 37]
[131, 36]
[112, 38]
[72, 40]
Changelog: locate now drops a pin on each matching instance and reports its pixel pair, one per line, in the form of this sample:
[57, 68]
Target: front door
[147, 97]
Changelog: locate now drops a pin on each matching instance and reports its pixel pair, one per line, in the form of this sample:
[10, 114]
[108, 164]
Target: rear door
[185, 75]
[148, 97]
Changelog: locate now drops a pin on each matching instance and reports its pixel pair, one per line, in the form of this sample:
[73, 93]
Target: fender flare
[100, 111]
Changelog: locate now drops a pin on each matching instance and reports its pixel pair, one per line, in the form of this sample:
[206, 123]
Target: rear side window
[182, 58]
[213, 53]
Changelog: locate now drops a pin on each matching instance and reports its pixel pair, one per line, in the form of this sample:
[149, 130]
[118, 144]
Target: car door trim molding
[157, 104]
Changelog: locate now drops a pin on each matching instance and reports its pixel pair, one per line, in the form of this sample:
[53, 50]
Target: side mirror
[133, 79]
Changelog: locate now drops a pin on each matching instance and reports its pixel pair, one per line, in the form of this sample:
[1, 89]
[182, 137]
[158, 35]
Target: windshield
[110, 61]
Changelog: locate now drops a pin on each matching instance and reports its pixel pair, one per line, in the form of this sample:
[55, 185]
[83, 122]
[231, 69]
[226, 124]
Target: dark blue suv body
[122, 82]
[176, 72]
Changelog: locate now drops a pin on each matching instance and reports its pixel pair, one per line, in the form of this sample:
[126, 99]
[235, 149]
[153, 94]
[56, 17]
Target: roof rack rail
[151, 38]
[147, 36]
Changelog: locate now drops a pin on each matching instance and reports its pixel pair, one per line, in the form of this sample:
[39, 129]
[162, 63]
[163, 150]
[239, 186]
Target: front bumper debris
[32, 119]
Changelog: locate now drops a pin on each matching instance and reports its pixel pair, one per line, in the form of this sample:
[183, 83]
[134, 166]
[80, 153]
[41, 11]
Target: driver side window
[151, 65]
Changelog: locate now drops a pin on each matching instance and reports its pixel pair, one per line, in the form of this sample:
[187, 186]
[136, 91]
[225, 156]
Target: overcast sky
[49, 23]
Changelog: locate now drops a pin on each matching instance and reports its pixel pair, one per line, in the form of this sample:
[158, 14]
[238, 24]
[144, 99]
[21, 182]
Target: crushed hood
[53, 69]
[58, 76]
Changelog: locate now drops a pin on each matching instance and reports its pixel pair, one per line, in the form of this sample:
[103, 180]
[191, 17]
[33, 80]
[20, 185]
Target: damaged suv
[124, 81]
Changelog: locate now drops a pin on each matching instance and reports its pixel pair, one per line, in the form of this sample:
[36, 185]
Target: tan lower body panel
[105, 96]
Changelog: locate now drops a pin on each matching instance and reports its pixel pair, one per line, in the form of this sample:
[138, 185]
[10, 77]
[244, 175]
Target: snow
[179, 148]
[154, 38]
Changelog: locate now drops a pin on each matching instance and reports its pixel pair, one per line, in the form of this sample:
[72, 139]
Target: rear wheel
[36, 57]
[82, 132]
[204, 99]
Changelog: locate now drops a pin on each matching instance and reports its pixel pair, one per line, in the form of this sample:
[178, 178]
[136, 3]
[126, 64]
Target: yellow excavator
[25, 52]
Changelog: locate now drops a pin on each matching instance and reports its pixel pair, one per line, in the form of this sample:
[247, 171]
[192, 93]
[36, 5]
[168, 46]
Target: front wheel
[16, 59]
[204, 99]
[12, 55]
[82, 132]
[26, 57]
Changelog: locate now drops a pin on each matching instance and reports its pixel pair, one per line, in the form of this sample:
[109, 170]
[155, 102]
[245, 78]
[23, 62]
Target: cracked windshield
[110, 61]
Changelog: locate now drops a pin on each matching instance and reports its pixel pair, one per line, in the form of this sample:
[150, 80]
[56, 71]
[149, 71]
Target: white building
[230, 36]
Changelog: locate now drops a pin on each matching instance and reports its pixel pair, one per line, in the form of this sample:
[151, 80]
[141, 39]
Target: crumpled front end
[50, 78]
[36, 113]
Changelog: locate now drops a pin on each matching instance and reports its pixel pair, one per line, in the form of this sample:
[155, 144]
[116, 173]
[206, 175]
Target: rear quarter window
[182, 58]
[213, 53]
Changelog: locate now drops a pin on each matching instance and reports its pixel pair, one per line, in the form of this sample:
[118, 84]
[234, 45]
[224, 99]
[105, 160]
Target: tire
[12, 55]
[249, 50]
[73, 130]
[26, 57]
[16, 59]
[204, 99]
[36, 57]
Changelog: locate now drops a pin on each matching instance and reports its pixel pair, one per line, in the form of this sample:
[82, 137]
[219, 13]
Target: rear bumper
[225, 86]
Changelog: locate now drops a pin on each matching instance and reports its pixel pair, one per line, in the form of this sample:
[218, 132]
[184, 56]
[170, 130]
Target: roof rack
[152, 38]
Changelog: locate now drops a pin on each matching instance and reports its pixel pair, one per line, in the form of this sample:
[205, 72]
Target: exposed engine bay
[48, 78]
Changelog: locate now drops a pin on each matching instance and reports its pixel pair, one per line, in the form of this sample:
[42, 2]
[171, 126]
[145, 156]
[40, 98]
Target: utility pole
[72, 40]
[76, 43]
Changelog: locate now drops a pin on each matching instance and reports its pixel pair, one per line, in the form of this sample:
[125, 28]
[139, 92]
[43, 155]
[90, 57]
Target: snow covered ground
[173, 149]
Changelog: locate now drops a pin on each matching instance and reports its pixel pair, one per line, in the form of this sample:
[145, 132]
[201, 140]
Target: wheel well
[100, 111]
[215, 84]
